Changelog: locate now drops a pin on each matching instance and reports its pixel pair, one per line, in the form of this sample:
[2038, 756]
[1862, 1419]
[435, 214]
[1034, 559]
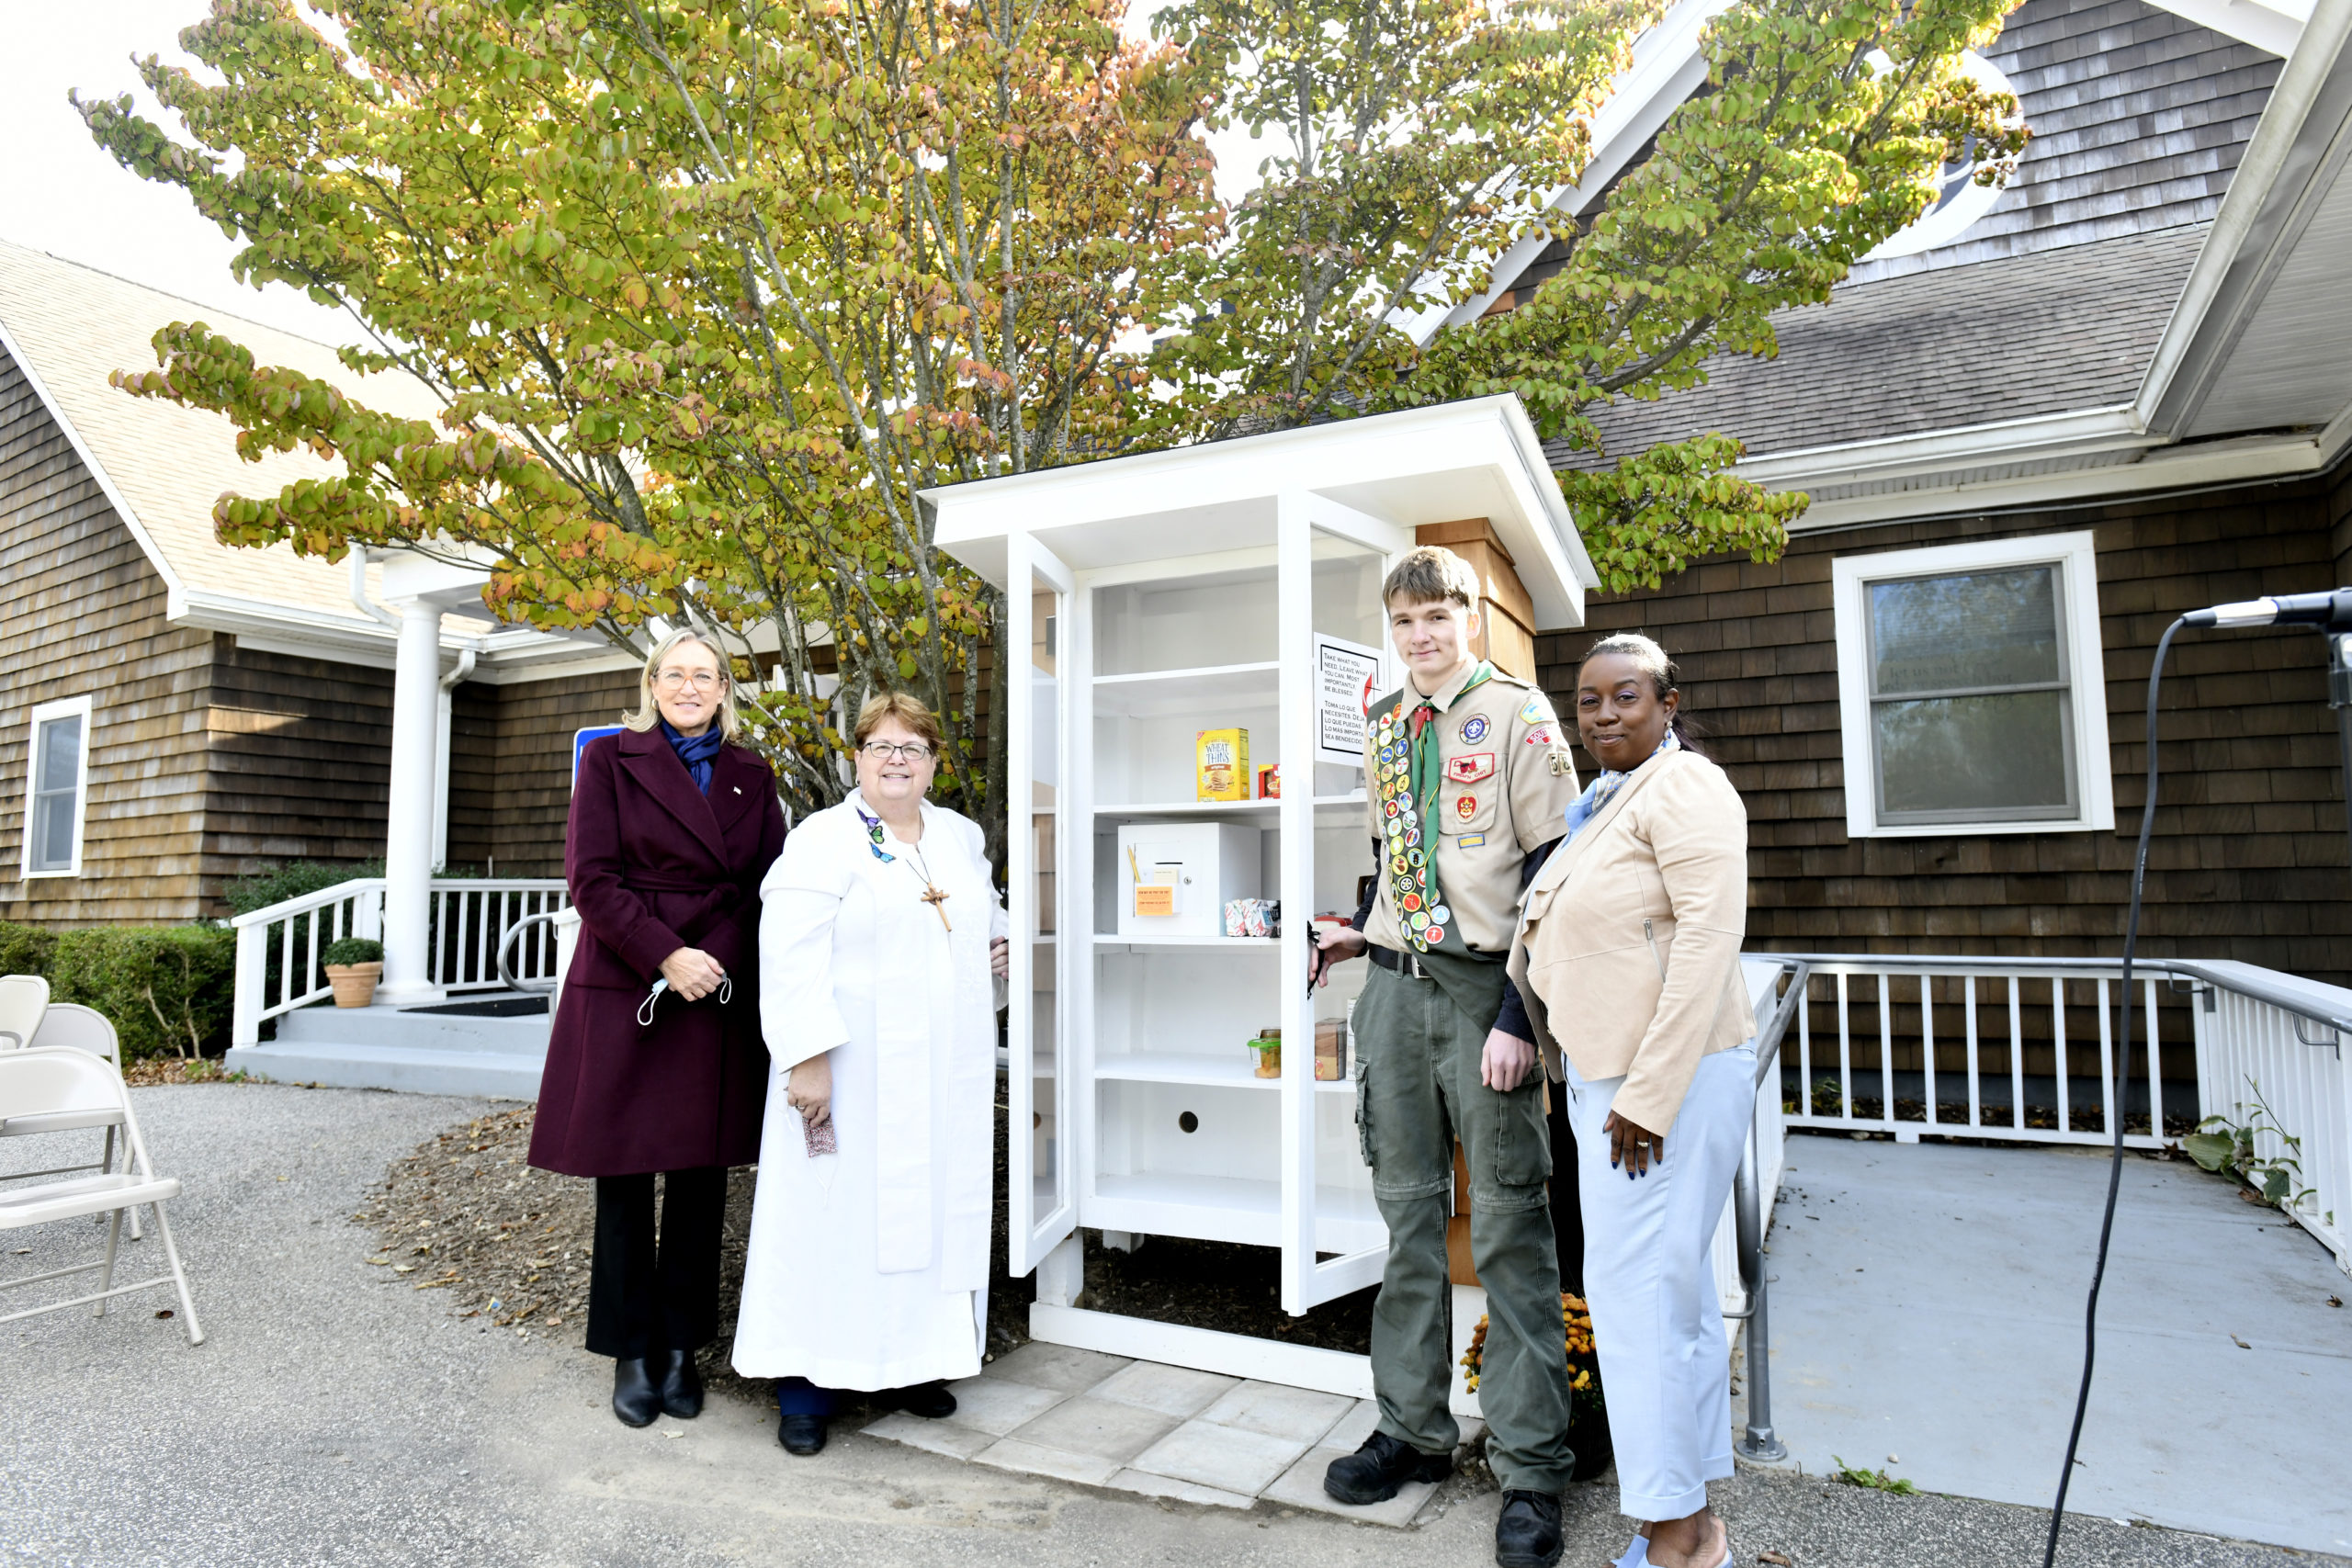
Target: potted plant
[354, 965]
[1588, 1413]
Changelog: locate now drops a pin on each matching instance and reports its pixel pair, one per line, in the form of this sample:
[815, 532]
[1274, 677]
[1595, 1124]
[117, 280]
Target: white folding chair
[79, 1028]
[52, 1090]
[23, 1000]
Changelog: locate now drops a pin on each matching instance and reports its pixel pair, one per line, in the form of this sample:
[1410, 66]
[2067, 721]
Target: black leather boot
[637, 1397]
[1527, 1535]
[1375, 1471]
[681, 1384]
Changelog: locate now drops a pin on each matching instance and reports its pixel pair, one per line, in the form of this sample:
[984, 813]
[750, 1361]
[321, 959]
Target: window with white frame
[1970, 688]
[57, 776]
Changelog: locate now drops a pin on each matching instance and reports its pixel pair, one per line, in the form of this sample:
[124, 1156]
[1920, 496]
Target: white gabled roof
[1390, 472]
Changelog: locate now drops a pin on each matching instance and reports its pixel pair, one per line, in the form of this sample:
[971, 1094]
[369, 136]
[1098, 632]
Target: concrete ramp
[491, 1048]
[1928, 1305]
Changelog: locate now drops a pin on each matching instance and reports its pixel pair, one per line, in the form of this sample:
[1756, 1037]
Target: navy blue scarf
[696, 750]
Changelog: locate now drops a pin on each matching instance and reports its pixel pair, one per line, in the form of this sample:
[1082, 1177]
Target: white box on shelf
[1189, 870]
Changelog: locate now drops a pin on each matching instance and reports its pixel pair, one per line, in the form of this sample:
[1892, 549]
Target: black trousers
[648, 1293]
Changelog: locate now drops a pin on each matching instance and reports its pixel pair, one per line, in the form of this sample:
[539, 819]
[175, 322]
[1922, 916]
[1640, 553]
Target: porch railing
[2024, 1051]
[278, 946]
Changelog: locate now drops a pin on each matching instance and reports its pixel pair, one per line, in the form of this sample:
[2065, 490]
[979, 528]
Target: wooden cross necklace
[932, 894]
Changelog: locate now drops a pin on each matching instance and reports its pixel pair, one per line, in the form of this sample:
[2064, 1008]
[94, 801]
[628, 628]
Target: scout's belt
[1407, 965]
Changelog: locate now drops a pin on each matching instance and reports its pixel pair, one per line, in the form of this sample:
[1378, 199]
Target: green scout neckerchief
[1408, 769]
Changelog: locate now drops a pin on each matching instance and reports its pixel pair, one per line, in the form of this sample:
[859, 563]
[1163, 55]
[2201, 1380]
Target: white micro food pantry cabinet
[1234, 585]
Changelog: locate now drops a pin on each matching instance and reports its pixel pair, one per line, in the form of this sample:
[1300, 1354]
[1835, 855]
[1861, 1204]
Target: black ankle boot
[929, 1400]
[1375, 1471]
[637, 1397]
[1527, 1535]
[802, 1435]
[681, 1384]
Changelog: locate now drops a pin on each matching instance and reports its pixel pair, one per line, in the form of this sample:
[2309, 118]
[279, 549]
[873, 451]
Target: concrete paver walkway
[1160, 1430]
[1928, 1304]
[337, 1416]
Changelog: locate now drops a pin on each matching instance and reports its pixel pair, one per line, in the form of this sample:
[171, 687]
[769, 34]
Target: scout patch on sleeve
[1540, 736]
[1535, 710]
[1470, 768]
[1562, 766]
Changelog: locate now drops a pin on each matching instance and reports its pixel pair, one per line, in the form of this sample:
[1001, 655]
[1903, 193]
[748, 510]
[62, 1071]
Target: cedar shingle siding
[2249, 859]
[510, 766]
[2119, 146]
[85, 617]
[301, 759]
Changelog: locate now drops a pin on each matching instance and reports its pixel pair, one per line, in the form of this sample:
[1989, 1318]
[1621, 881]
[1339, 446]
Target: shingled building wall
[2250, 855]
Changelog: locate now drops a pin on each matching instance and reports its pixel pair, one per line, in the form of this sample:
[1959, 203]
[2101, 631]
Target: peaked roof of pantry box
[163, 465]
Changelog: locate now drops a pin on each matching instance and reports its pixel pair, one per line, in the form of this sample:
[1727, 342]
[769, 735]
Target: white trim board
[1204, 1349]
[2075, 554]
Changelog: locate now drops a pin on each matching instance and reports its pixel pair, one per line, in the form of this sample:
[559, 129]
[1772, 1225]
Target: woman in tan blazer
[1628, 960]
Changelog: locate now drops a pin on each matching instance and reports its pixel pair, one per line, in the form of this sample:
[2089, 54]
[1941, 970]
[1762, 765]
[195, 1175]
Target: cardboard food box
[1330, 1049]
[1270, 781]
[1222, 764]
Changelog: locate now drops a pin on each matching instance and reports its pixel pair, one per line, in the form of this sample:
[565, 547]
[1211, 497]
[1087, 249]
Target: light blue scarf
[1603, 790]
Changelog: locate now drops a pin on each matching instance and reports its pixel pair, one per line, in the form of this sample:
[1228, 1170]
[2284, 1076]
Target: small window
[58, 771]
[1958, 677]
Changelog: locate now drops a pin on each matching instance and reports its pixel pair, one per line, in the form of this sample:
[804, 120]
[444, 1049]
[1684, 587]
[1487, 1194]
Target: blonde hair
[920, 721]
[1428, 574]
[729, 725]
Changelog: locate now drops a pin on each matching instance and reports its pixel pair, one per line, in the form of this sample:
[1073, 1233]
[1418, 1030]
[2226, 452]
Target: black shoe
[1373, 1471]
[681, 1384]
[802, 1435]
[929, 1400]
[1528, 1533]
[637, 1398]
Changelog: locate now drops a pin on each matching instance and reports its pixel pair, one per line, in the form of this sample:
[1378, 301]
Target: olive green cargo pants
[1417, 1091]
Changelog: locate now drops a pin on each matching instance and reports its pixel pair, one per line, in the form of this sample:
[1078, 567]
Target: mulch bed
[510, 1246]
[154, 1070]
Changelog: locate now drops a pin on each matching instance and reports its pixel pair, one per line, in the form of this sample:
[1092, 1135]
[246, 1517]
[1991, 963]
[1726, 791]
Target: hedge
[166, 989]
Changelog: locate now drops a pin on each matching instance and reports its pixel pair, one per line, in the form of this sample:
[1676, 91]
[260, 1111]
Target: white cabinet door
[1330, 564]
[1050, 918]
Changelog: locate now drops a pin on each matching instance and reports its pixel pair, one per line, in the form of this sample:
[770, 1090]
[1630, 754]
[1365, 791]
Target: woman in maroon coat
[655, 1061]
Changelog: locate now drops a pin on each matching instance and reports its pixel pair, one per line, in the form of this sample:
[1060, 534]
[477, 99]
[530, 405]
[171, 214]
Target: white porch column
[408, 832]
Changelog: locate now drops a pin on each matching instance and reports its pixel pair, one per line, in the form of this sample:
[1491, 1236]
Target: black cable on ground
[2115, 1108]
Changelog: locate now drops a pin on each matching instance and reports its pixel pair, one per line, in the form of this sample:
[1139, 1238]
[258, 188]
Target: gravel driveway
[337, 1414]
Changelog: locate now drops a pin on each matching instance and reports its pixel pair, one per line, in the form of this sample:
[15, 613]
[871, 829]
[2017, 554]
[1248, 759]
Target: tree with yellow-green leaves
[709, 289]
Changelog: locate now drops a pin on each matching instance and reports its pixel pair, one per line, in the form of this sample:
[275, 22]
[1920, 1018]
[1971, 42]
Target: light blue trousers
[1656, 1321]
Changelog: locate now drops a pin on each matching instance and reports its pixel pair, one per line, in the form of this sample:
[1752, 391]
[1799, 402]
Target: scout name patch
[1470, 768]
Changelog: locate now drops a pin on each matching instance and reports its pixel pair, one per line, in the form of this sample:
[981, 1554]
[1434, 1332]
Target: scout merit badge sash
[1410, 773]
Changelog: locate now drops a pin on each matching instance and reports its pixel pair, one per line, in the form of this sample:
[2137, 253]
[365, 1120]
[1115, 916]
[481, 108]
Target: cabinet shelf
[1230, 1208]
[1215, 1072]
[1144, 944]
[1324, 804]
[1159, 693]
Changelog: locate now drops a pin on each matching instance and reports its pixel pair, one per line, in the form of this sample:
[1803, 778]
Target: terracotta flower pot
[355, 984]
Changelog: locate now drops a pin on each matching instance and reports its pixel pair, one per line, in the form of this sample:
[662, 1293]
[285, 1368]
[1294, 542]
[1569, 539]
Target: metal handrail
[1758, 1441]
[506, 944]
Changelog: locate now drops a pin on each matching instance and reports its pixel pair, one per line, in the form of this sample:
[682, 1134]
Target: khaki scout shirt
[1507, 780]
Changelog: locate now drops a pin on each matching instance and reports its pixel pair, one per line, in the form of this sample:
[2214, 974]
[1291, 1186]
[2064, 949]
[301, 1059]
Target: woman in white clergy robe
[882, 962]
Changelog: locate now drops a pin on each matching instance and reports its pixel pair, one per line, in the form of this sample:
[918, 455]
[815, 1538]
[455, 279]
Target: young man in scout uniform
[1468, 777]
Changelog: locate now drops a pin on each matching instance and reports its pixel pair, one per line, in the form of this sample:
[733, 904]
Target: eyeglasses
[882, 751]
[701, 680]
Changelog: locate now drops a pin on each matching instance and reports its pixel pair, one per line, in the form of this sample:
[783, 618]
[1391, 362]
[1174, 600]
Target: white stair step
[411, 1069]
